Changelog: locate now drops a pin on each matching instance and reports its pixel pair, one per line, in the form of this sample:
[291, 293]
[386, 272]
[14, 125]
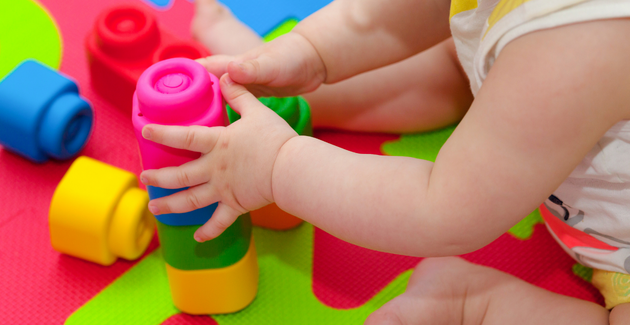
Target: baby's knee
[441, 266]
[620, 314]
[384, 316]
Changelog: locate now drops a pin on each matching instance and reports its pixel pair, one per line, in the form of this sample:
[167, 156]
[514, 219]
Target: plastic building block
[178, 244]
[272, 217]
[196, 217]
[42, 115]
[125, 41]
[215, 291]
[296, 111]
[98, 213]
[219, 276]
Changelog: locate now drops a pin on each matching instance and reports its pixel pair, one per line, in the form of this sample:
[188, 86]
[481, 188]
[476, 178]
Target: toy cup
[220, 275]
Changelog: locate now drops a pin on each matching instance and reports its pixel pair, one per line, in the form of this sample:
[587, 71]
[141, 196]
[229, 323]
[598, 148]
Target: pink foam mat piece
[183, 319]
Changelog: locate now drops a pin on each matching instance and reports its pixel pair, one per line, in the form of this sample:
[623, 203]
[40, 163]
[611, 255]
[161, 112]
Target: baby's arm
[426, 91]
[354, 36]
[547, 100]
[343, 39]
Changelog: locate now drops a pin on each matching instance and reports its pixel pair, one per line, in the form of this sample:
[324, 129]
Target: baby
[542, 91]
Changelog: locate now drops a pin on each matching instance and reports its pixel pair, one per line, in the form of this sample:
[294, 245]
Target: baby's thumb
[238, 97]
[257, 71]
[216, 64]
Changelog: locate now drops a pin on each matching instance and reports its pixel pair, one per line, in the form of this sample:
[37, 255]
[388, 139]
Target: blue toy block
[42, 115]
[192, 218]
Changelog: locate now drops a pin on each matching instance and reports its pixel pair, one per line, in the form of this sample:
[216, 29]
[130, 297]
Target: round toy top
[174, 91]
[127, 32]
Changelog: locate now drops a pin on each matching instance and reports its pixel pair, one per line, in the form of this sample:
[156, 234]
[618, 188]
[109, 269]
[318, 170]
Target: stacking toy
[98, 213]
[124, 42]
[42, 115]
[296, 112]
[220, 275]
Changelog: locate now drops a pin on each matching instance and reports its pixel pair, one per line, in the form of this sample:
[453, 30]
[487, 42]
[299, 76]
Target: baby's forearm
[354, 36]
[378, 202]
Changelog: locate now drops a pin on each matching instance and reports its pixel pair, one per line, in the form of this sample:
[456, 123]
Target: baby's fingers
[189, 174]
[239, 98]
[184, 201]
[194, 138]
[222, 218]
[216, 64]
[262, 70]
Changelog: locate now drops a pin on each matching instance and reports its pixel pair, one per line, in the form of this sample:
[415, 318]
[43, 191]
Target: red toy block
[124, 42]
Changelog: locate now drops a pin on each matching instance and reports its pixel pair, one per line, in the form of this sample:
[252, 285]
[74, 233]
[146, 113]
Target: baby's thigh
[426, 91]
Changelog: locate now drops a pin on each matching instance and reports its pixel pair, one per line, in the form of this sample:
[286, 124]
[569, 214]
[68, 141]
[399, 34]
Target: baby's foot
[453, 291]
[434, 295]
[215, 27]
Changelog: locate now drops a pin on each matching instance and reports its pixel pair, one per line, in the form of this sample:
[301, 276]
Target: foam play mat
[306, 275]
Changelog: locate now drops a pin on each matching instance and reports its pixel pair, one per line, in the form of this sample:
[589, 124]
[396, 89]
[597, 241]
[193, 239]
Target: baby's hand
[286, 66]
[235, 167]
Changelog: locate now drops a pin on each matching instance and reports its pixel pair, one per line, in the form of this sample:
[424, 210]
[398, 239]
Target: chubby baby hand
[235, 167]
[286, 66]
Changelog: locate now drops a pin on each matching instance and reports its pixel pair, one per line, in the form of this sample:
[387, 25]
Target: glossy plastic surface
[176, 91]
[215, 291]
[178, 245]
[42, 115]
[219, 276]
[98, 213]
[124, 42]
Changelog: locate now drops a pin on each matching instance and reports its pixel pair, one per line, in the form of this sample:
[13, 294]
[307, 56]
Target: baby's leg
[215, 27]
[453, 291]
[620, 314]
[424, 92]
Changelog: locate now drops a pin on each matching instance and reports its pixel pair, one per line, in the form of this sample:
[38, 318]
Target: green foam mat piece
[285, 27]
[140, 296]
[285, 296]
[584, 272]
[525, 228]
[181, 251]
[28, 32]
[419, 145]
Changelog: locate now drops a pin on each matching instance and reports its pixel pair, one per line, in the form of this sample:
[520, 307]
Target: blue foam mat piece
[262, 16]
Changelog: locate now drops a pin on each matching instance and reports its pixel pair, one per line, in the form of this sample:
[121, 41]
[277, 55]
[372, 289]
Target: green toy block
[294, 110]
[183, 252]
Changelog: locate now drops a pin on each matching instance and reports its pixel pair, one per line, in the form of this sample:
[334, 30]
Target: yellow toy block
[98, 213]
[215, 291]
